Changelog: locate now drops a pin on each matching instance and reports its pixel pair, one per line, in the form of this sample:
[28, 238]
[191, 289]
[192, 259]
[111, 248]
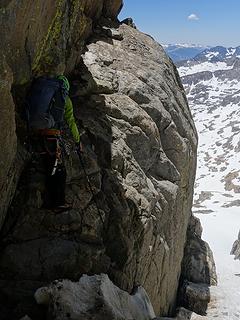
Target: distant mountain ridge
[218, 53]
[210, 60]
[179, 52]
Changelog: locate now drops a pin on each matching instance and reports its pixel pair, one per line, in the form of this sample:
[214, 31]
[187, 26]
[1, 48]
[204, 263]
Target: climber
[48, 104]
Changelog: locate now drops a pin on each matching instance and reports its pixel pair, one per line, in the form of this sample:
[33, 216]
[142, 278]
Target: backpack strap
[57, 105]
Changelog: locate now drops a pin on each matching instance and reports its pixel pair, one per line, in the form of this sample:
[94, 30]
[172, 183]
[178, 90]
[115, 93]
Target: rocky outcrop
[198, 270]
[140, 156]
[94, 298]
[198, 263]
[236, 248]
[129, 22]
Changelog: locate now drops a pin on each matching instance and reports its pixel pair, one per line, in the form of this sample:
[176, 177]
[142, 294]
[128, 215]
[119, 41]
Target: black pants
[55, 183]
[47, 149]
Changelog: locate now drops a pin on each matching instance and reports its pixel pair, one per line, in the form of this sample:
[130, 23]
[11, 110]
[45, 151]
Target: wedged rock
[198, 264]
[94, 297]
[195, 297]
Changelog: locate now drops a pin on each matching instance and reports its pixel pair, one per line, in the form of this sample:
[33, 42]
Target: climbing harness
[49, 132]
[52, 146]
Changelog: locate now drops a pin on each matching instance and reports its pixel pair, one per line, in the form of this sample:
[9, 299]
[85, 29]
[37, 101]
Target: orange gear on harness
[49, 132]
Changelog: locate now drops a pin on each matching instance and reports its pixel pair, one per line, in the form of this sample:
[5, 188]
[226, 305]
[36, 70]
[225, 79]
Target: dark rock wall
[8, 139]
[140, 155]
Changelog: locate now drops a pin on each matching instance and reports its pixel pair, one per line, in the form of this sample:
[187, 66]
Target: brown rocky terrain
[140, 154]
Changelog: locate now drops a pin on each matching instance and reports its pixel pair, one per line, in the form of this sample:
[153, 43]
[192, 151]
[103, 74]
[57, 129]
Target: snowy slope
[212, 84]
[213, 90]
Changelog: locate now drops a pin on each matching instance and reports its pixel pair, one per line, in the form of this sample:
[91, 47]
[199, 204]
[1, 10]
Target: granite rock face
[140, 155]
[153, 144]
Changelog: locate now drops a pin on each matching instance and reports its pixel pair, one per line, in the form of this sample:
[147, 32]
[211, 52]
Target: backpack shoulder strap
[57, 105]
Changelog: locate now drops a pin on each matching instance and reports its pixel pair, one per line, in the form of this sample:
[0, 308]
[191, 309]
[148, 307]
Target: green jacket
[69, 117]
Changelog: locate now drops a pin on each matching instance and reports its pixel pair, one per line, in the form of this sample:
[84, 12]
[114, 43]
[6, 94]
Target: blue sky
[206, 22]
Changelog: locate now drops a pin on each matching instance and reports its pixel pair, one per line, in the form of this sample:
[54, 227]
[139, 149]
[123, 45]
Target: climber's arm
[69, 117]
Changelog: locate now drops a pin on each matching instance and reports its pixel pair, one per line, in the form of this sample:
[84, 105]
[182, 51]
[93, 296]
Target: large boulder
[195, 297]
[94, 297]
[152, 143]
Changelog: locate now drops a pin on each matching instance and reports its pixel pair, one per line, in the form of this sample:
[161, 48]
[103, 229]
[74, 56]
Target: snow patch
[204, 66]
